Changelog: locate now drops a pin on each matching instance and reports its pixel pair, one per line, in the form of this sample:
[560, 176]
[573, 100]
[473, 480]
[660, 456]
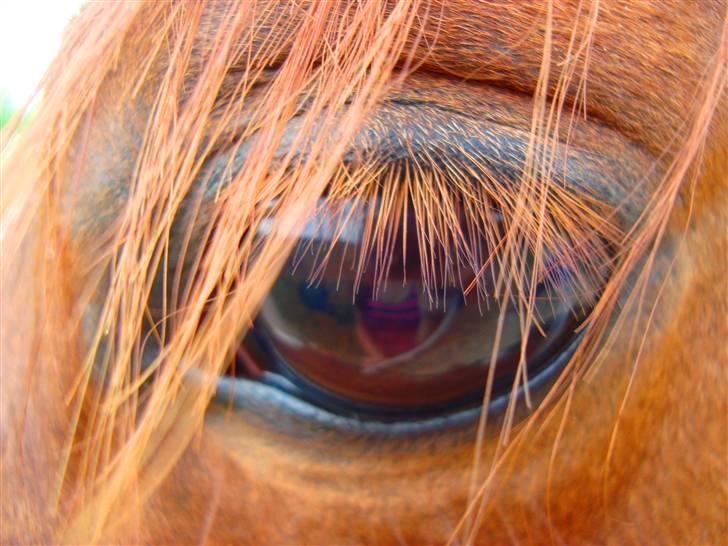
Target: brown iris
[354, 341]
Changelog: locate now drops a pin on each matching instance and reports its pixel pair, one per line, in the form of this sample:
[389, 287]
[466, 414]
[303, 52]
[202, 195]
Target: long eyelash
[453, 217]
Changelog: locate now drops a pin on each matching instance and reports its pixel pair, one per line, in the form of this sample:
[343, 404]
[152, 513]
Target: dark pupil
[354, 340]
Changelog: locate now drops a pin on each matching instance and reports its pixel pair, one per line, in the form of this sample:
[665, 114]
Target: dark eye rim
[284, 376]
[275, 399]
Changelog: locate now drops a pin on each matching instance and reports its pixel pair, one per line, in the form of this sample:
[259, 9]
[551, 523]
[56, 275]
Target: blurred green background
[6, 109]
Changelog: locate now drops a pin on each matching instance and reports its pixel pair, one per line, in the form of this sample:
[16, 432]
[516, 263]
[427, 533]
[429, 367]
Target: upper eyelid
[596, 160]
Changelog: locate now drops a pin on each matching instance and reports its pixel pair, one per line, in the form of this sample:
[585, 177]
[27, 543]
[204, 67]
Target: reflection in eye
[361, 335]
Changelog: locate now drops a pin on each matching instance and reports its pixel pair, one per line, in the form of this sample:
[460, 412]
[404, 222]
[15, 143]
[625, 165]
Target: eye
[377, 333]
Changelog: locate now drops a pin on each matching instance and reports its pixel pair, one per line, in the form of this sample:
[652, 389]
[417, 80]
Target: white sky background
[30, 34]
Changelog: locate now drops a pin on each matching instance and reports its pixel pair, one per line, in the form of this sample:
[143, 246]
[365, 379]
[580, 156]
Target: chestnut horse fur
[628, 446]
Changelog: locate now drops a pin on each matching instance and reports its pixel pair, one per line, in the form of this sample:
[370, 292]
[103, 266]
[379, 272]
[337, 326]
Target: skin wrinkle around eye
[489, 132]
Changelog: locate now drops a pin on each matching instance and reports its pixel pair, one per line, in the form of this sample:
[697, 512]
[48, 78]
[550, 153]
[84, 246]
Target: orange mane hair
[81, 280]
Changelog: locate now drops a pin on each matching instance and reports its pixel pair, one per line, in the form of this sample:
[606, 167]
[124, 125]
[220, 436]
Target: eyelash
[452, 216]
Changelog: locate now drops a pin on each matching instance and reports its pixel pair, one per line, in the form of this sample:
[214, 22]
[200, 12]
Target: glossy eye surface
[377, 339]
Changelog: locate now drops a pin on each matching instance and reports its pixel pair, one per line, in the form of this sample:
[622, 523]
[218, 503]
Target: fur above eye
[372, 331]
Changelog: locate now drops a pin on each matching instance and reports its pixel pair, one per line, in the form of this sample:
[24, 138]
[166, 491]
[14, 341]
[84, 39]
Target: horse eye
[376, 335]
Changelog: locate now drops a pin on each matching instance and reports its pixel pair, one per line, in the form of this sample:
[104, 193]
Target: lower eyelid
[291, 415]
